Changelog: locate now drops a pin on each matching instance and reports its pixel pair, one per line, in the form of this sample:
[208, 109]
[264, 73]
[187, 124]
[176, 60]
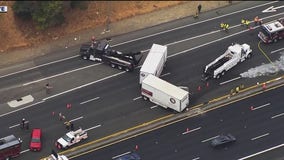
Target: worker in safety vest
[247, 22]
[243, 21]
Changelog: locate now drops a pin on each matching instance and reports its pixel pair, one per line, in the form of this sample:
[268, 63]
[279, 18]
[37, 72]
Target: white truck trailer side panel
[164, 94]
[154, 62]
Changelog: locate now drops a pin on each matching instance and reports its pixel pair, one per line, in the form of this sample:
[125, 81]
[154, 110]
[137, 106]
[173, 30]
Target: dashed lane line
[264, 135]
[93, 99]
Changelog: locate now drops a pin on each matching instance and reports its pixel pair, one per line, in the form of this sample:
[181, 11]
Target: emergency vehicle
[233, 55]
[10, 147]
[71, 138]
[272, 31]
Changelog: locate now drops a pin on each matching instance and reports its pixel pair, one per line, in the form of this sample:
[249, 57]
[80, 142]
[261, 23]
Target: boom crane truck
[235, 54]
[101, 51]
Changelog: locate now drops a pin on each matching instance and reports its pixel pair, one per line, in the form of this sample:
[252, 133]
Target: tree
[24, 9]
[48, 14]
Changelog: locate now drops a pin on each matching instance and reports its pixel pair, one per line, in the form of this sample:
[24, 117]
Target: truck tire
[127, 69]
[218, 76]
[223, 73]
[275, 40]
[112, 65]
[85, 57]
[119, 67]
[145, 98]
[248, 56]
[7, 158]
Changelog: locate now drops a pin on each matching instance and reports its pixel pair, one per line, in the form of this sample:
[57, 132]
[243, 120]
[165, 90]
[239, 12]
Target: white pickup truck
[71, 138]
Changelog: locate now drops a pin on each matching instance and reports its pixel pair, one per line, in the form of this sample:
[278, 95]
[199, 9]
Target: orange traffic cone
[199, 88]
[207, 84]
[68, 106]
[136, 147]
[187, 129]
[251, 108]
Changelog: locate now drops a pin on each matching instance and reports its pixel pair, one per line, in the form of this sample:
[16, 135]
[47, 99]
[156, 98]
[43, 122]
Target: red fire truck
[272, 31]
[10, 147]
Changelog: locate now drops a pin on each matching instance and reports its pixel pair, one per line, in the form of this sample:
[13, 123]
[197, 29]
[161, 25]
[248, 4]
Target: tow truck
[101, 51]
[71, 138]
[235, 54]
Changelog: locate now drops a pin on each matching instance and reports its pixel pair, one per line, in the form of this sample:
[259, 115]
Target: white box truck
[154, 62]
[164, 94]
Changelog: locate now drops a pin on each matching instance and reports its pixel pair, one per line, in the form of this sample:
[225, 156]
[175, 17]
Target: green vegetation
[45, 13]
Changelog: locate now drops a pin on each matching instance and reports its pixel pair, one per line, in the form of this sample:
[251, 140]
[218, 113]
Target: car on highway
[35, 143]
[129, 156]
[222, 140]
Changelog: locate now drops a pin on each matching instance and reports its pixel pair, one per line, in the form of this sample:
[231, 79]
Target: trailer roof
[274, 26]
[166, 87]
[150, 64]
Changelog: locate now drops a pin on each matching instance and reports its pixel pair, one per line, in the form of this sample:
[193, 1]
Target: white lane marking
[45, 64]
[60, 74]
[191, 130]
[16, 125]
[134, 99]
[197, 158]
[120, 155]
[272, 9]
[154, 106]
[266, 134]
[79, 87]
[145, 37]
[258, 153]
[24, 151]
[209, 139]
[255, 108]
[93, 127]
[278, 115]
[93, 99]
[2, 115]
[165, 74]
[277, 50]
[230, 80]
[168, 57]
[75, 119]
[181, 27]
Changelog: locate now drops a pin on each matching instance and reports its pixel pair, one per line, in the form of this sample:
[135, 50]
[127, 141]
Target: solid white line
[90, 100]
[93, 127]
[75, 119]
[154, 106]
[146, 37]
[255, 108]
[45, 64]
[230, 80]
[60, 74]
[278, 115]
[209, 139]
[260, 136]
[24, 151]
[192, 130]
[197, 158]
[2, 115]
[258, 153]
[120, 155]
[165, 74]
[277, 50]
[16, 125]
[134, 99]
[181, 27]
[85, 85]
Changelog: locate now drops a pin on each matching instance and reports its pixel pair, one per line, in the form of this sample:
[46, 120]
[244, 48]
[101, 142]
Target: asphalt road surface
[256, 130]
[106, 100]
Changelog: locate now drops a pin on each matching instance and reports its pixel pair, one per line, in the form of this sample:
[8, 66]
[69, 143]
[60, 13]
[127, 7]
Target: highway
[106, 100]
[256, 130]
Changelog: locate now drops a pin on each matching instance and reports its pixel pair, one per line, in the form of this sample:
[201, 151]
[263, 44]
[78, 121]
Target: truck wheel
[127, 69]
[248, 56]
[85, 57]
[112, 65]
[119, 67]
[218, 76]
[275, 40]
[7, 158]
[145, 98]
[223, 73]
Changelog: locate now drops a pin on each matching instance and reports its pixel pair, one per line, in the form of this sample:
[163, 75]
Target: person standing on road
[47, 88]
[199, 8]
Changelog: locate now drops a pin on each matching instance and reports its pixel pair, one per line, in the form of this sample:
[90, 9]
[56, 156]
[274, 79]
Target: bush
[23, 9]
[79, 4]
[48, 14]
